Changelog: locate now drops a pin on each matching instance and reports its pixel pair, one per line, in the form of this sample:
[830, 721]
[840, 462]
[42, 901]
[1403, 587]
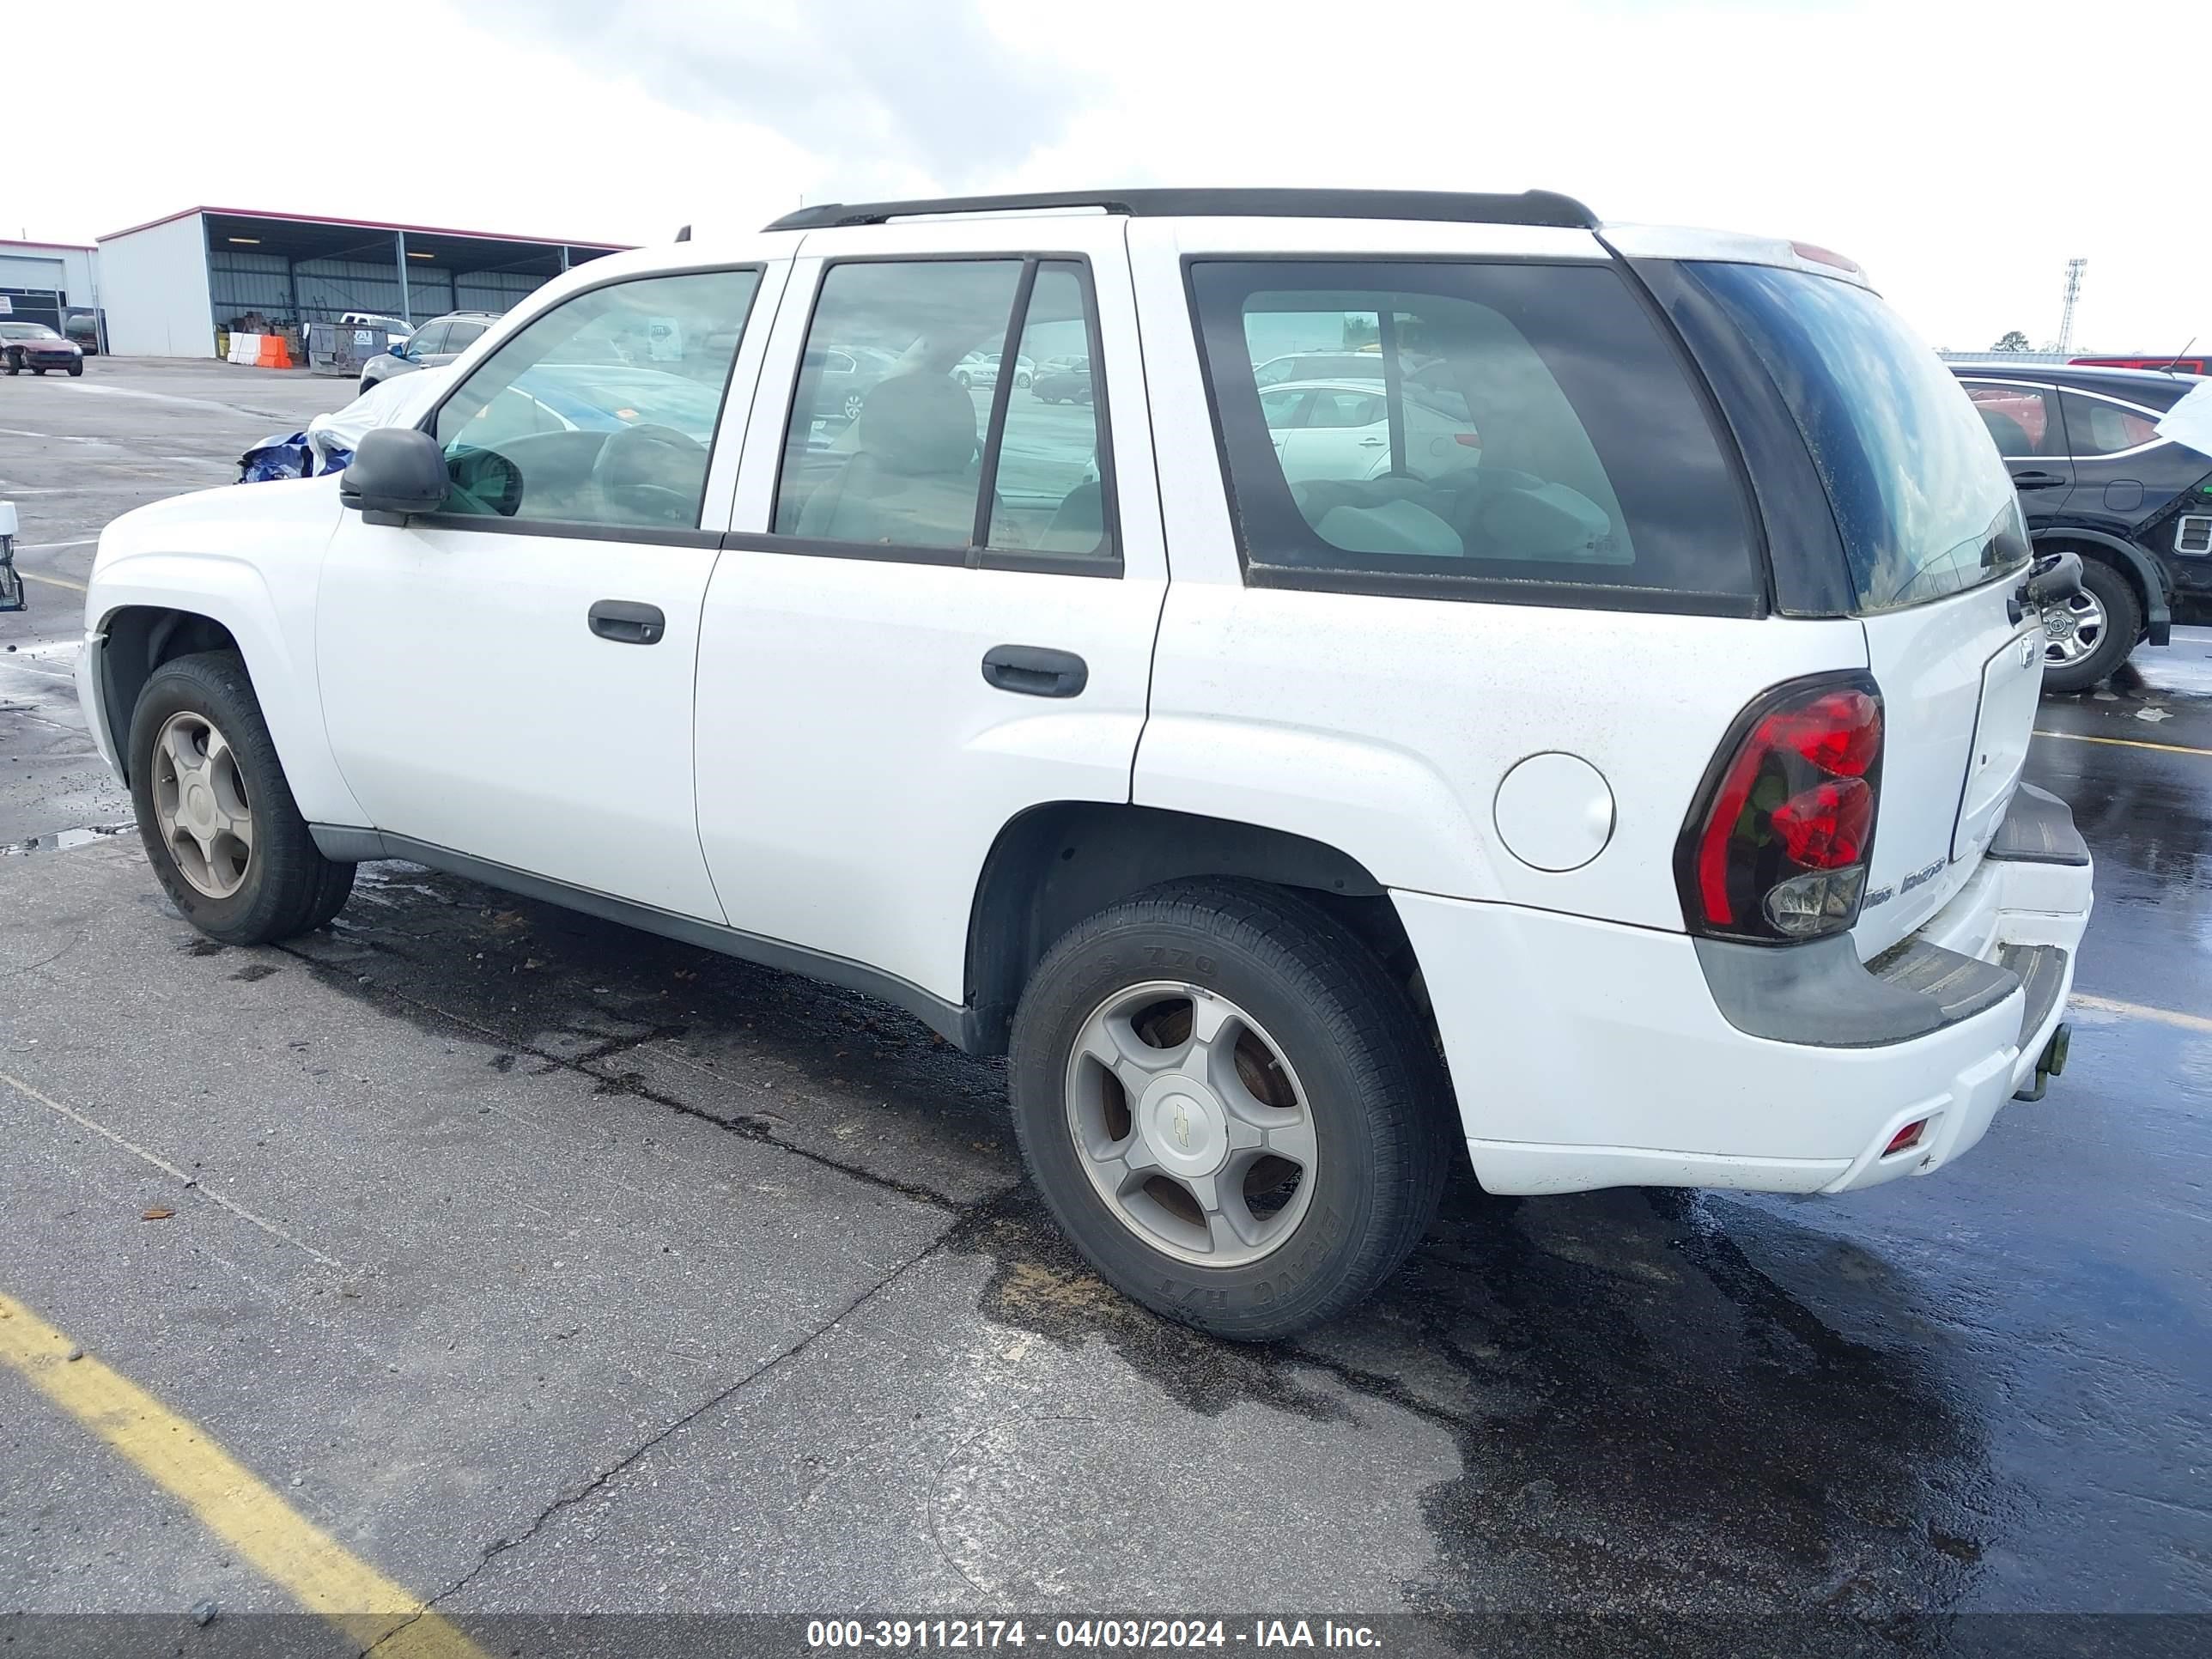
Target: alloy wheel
[2072, 627]
[1191, 1124]
[201, 803]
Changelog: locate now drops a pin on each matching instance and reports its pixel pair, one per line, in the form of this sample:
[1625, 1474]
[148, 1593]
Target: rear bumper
[1589, 1055]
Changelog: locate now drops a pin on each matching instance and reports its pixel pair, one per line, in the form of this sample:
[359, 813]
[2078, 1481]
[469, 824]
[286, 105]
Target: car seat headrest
[918, 424]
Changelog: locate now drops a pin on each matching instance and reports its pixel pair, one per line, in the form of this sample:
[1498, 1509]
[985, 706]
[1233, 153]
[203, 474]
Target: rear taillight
[1777, 845]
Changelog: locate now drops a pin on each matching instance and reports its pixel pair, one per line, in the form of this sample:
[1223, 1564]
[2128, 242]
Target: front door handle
[627, 623]
[2037, 480]
[1035, 672]
[1373, 443]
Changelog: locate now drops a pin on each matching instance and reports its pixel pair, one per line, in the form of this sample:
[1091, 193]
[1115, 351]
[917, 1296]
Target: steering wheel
[487, 477]
[651, 474]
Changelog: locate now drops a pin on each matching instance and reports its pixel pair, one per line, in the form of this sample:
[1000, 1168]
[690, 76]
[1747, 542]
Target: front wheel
[76, 368]
[2088, 634]
[35, 369]
[224, 836]
[1230, 1108]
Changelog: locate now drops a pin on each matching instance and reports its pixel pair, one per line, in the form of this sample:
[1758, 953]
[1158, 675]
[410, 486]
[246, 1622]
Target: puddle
[62, 840]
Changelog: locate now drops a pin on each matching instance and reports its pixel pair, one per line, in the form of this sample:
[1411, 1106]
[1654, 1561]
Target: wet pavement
[565, 1268]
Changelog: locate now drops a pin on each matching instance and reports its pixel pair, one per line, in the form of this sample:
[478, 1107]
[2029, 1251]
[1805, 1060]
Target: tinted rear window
[1924, 505]
[1516, 432]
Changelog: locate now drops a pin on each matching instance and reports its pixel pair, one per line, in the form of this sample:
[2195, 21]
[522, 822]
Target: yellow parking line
[2125, 743]
[2141, 1011]
[50, 581]
[226, 1498]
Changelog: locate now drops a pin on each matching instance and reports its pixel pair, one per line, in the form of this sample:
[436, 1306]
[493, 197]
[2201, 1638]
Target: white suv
[1631, 797]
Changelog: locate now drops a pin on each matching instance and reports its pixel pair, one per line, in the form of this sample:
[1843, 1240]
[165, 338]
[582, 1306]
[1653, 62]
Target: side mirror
[395, 471]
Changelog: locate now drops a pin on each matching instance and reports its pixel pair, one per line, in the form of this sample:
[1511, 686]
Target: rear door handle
[1034, 670]
[627, 623]
[2036, 480]
[1373, 443]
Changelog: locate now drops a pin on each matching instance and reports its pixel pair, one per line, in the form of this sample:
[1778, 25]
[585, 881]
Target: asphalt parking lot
[547, 1267]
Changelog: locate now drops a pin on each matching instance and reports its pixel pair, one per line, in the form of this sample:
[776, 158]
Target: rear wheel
[2088, 634]
[1230, 1108]
[225, 837]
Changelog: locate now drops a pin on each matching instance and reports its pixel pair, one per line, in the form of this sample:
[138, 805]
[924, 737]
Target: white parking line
[167, 1168]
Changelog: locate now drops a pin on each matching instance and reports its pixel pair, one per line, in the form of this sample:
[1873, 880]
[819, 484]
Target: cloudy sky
[1958, 150]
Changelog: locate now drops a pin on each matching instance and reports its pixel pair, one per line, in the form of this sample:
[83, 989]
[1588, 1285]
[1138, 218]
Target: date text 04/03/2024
[1258, 1635]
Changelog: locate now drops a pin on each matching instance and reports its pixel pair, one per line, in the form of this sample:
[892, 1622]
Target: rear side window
[906, 440]
[2095, 427]
[1924, 505]
[1516, 432]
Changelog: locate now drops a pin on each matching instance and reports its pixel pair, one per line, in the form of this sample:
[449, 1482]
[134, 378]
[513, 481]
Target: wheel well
[140, 639]
[1055, 865]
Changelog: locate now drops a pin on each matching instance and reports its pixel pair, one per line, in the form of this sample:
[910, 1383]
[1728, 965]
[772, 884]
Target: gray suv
[438, 340]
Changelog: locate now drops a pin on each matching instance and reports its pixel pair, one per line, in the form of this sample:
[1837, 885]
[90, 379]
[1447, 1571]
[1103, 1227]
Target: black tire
[14, 364]
[289, 887]
[35, 369]
[76, 368]
[1381, 1105]
[2123, 628]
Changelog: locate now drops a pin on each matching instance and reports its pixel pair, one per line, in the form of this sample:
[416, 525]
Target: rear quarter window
[1516, 432]
[1923, 504]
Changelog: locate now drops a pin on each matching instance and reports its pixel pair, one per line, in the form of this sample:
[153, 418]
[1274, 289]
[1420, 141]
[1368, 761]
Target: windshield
[26, 332]
[1923, 503]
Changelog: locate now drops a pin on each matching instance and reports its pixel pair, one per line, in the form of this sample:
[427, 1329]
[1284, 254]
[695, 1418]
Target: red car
[37, 348]
[2178, 365]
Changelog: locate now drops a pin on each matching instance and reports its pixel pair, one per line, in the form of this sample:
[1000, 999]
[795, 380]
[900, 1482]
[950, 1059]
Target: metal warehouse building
[170, 285]
[41, 280]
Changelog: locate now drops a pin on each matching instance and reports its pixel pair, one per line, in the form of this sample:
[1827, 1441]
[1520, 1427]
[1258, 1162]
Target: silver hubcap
[2072, 628]
[1191, 1124]
[199, 801]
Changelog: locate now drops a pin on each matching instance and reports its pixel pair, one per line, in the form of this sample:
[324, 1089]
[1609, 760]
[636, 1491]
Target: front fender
[248, 557]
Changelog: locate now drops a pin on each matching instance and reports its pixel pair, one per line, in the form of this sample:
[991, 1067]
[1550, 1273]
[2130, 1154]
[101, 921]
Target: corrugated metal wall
[239, 282]
[493, 290]
[330, 288]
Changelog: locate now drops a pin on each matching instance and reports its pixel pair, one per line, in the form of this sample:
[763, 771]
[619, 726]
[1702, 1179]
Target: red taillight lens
[1826, 827]
[1467, 440]
[1777, 845]
[1840, 731]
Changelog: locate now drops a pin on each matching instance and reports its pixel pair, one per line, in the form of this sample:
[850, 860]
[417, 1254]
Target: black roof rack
[1530, 207]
